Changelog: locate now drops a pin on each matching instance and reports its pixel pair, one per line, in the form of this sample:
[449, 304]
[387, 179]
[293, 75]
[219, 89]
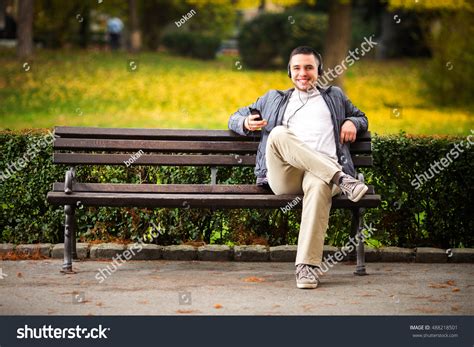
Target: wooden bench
[75, 146]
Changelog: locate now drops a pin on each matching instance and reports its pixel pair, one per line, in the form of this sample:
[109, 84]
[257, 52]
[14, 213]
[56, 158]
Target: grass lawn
[100, 89]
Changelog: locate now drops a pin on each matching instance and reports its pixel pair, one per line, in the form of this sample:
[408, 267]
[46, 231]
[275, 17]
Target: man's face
[304, 71]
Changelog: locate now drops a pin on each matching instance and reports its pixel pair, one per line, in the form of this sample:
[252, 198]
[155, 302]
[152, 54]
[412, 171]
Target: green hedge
[437, 214]
[192, 44]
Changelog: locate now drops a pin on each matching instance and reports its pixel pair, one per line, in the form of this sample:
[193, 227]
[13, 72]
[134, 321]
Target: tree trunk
[3, 8]
[338, 40]
[84, 28]
[262, 6]
[25, 28]
[387, 35]
[135, 34]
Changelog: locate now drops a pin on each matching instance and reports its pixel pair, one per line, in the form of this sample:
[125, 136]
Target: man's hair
[305, 50]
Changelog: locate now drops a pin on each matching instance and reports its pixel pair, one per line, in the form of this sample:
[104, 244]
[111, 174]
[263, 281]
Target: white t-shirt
[312, 122]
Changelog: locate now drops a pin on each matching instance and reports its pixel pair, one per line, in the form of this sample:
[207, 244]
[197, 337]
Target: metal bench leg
[71, 222]
[69, 231]
[357, 231]
[73, 237]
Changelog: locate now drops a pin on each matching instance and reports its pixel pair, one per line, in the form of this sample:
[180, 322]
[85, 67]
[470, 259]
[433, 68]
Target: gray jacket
[272, 107]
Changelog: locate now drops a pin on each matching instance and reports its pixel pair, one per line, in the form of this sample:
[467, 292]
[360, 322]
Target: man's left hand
[348, 132]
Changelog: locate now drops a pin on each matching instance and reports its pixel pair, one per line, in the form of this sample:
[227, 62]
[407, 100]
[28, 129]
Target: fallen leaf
[450, 282]
[254, 279]
[437, 285]
[218, 306]
[456, 290]
[435, 300]
[19, 274]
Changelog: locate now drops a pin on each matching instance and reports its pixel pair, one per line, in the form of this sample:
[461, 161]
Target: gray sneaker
[352, 188]
[306, 276]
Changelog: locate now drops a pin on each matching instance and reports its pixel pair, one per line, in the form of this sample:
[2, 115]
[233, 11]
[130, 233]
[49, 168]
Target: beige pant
[294, 168]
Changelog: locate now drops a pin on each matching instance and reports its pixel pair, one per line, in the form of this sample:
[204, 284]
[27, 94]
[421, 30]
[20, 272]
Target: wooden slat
[150, 134]
[169, 188]
[162, 134]
[164, 188]
[154, 159]
[363, 161]
[194, 201]
[172, 160]
[76, 144]
[361, 147]
[155, 145]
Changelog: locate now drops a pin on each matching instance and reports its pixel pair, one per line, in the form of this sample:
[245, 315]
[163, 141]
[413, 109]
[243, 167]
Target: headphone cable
[303, 104]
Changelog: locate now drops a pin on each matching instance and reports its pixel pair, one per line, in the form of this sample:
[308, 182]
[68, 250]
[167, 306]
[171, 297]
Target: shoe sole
[307, 285]
[361, 194]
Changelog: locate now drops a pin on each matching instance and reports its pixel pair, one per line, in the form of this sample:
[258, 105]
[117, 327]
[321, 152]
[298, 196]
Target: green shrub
[449, 74]
[304, 29]
[267, 40]
[192, 44]
[437, 214]
[261, 39]
[25, 215]
[213, 18]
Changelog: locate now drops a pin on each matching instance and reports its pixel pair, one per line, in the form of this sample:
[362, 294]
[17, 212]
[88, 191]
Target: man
[304, 149]
[114, 29]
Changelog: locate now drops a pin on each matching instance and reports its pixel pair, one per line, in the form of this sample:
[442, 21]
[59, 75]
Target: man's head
[304, 67]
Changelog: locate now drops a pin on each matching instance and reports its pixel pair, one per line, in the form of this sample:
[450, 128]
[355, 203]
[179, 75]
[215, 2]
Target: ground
[35, 287]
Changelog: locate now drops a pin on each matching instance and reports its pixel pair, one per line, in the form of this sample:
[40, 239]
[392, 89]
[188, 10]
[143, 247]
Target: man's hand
[348, 132]
[252, 125]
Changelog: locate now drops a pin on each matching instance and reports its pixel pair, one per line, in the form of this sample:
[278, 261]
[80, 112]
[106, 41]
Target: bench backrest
[169, 147]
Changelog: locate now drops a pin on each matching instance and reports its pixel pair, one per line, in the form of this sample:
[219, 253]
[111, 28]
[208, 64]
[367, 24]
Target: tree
[338, 36]
[3, 5]
[135, 33]
[449, 30]
[25, 28]
[84, 26]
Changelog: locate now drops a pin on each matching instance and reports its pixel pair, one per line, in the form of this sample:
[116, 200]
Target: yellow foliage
[431, 4]
[172, 92]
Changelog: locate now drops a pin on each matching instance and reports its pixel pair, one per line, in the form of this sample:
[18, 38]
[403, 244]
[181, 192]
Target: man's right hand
[251, 124]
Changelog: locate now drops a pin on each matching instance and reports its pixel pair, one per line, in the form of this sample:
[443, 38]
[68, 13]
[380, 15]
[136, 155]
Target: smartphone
[255, 111]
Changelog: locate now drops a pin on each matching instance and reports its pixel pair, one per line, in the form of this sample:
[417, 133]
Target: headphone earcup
[320, 66]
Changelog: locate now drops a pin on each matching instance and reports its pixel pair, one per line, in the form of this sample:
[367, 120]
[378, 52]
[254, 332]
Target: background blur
[190, 64]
